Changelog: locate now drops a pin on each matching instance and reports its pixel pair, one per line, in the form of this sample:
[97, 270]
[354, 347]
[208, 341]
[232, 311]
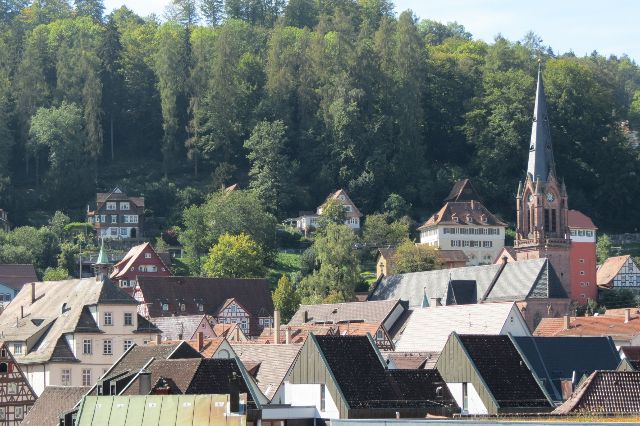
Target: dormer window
[183, 307]
[147, 255]
[455, 218]
[483, 218]
[165, 307]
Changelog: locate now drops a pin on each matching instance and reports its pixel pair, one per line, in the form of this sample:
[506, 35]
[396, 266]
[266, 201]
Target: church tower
[542, 228]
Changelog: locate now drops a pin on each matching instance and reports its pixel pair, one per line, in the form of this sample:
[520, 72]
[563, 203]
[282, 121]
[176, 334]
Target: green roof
[102, 257]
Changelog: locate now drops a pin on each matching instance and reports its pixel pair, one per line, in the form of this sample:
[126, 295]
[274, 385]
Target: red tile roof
[580, 220]
[609, 269]
[613, 326]
[129, 259]
[460, 213]
[605, 392]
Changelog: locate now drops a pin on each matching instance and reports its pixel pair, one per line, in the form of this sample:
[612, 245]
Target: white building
[68, 333]
[309, 220]
[464, 223]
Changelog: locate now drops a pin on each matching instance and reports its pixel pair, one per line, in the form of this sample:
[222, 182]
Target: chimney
[435, 301]
[627, 315]
[33, 293]
[287, 336]
[276, 327]
[306, 316]
[21, 311]
[505, 259]
[144, 382]
[237, 333]
[200, 337]
[158, 339]
[567, 322]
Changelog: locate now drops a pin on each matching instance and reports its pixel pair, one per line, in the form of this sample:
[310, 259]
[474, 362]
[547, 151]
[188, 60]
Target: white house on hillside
[309, 220]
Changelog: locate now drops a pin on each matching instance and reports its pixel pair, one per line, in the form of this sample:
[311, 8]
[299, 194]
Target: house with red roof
[12, 278]
[619, 272]
[583, 261]
[140, 260]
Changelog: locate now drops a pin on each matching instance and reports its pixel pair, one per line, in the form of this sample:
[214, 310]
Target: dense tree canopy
[296, 99]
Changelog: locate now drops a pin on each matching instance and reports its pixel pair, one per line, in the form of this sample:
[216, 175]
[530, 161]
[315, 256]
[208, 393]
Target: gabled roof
[86, 323]
[16, 275]
[254, 294]
[463, 213]
[181, 327]
[138, 356]
[412, 360]
[62, 352]
[421, 385]
[463, 190]
[297, 333]
[129, 260]
[607, 392]
[337, 194]
[610, 268]
[229, 331]
[117, 195]
[332, 313]
[521, 280]
[428, 329]
[591, 326]
[387, 252]
[52, 403]
[504, 371]
[579, 220]
[146, 326]
[273, 361]
[554, 359]
[462, 292]
[178, 373]
[630, 352]
[59, 308]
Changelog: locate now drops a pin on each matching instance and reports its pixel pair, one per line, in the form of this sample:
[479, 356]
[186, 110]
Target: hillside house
[12, 278]
[464, 223]
[307, 221]
[140, 260]
[117, 215]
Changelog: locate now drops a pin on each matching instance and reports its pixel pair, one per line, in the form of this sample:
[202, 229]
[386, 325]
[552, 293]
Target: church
[542, 224]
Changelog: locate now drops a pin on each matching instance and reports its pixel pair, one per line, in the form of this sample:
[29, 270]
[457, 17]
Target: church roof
[541, 162]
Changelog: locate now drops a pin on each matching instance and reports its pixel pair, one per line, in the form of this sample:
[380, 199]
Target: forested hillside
[296, 100]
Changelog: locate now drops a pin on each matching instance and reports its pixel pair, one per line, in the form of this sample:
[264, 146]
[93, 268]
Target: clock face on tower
[550, 197]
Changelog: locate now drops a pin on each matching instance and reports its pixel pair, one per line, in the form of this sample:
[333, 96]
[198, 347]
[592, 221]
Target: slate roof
[428, 329]
[44, 322]
[146, 326]
[579, 220]
[174, 327]
[62, 352]
[86, 323]
[421, 385]
[253, 294]
[333, 313]
[613, 326]
[521, 280]
[557, 358]
[504, 371]
[274, 362]
[177, 372]
[463, 190]
[52, 403]
[138, 356]
[117, 195]
[609, 269]
[17, 275]
[216, 376]
[462, 292]
[463, 213]
[129, 259]
[606, 392]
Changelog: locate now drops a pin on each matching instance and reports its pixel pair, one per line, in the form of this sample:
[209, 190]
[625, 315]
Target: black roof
[463, 190]
[504, 371]
[218, 376]
[554, 359]
[422, 385]
[462, 292]
[86, 322]
[146, 326]
[62, 352]
[112, 295]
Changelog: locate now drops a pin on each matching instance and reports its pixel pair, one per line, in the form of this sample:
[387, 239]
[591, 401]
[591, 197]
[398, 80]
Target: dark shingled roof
[112, 295]
[606, 392]
[52, 403]
[177, 372]
[138, 356]
[504, 371]
[146, 326]
[421, 385]
[62, 352]
[462, 292]
[86, 323]
[253, 294]
[554, 359]
[463, 190]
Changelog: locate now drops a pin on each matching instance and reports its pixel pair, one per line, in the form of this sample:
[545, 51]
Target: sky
[582, 26]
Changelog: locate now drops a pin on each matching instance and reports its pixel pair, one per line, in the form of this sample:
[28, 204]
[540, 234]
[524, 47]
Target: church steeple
[541, 163]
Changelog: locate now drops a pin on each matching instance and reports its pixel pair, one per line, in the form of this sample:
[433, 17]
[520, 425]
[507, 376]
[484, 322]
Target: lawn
[285, 263]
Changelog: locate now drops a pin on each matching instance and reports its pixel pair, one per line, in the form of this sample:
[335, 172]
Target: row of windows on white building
[581, 233]
[113, 205]
[467, 243]
[113, 218]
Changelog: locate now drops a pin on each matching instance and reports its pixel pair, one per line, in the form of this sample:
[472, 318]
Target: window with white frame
[65, 377]
[111, 205]
[128, 318]
[127, 344]
[124, 231]
[130, 218]
[147, 255]
[87, 346]
[103, 218]
[19, 412]
[114, 218]
[86, 377]
[12, 388]
[114, 232]
[17, 348]
[124, 205]
[165, 307]
[108, 318]
[107, 347]
[200, 307]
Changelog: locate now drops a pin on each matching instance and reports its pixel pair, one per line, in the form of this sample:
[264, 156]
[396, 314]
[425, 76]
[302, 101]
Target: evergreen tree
[212, 11]
[91, 8]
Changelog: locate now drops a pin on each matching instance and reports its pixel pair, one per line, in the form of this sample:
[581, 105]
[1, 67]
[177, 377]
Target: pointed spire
[102, 256]
[541, 163]
[519, 193]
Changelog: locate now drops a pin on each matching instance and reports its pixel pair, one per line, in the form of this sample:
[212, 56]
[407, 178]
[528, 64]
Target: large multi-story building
[68, 333]
[542, 227]
[117, 216]
[464, 223]
[583, 257]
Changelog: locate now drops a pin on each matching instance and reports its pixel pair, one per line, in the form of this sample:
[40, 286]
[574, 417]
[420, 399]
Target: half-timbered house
[16, 395]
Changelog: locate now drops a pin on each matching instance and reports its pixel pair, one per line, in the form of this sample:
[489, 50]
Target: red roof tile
[580, 220]
[613, 326]
[609, 269]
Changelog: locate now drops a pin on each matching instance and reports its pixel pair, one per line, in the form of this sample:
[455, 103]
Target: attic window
[455, 218]
[200, 308]
[483, 218]
[183, 307]
[147, 255]
[165, 307]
